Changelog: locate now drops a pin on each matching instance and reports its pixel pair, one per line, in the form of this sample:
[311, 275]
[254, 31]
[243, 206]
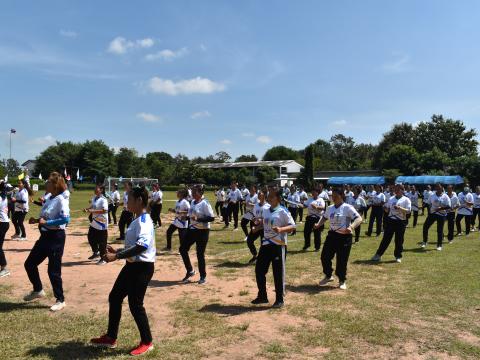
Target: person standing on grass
[413, 196]
[369, 200]
[426, 199]
[220, 200]
[397, 208]
[250, 200]
[303, 197]
[455, 203]
[233, 199]
[293, 204]
[156, 205]
[359, 203]
[439, 203]
[126, 217]
[98, 230]
[180, 223]
[54, 217]
[277, 223]
[113, 205]
[476, 208]
[256, 230]
[376, 215]
[465, 211]
[200, 216]
[21, 200]
[133, 279]
[343, 220]
[4, 225]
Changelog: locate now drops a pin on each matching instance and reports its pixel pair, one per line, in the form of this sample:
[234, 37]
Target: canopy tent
[356, 180]
[430, 179]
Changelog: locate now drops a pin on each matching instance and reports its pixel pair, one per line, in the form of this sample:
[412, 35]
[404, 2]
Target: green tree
[306, 174]
[246, 158]
[58, 157]
[265, 174]
[404, 158]
[280, 153]
[127, 162]
[97, 160]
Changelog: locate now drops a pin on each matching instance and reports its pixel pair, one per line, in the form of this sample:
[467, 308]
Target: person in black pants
[439, 205]
[376, 215]
[126, 216]
[315, 207]
[396, 209]
[220, 199]
[256, 231]
[476, 208]
[455, 203]
[113, 205]
[4, 225]
[180, 222]
[200, 217]
[21, 200]
[343, 219]
[234, 198]
[133, 280]
[98, 230]
[54, 217]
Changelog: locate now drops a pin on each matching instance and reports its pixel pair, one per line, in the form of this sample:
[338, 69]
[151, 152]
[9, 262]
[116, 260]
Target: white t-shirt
[437, 202]
[340, 217]
[465, 209]
[476, 201]
[22, 195]
[202, 209]
[99, 221]
[294, 198]
[454, 202]
[220, 195]
[4, 209]
[311, 210]
[275, 217]
[250, 202]
[324, 195]
[115, 196]
[348, 194]
[125, 200]
[156, 196]
[358, 203]
[181, 210]
[378, 199]
[55, 208]
[426, 196]
[370, 196]
[413, 199]
[141, 232]
[258, 210]
[403, 202]
[303, 195]
[235, 196]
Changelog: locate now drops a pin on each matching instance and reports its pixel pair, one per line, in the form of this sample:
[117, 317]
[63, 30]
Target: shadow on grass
[309, 288]
[164, 283]
[233, 264]
[77, 263]
[76, 233]
[418, 250]
[71, 350]
[233, 242]
[17, 250]
[296, 252]
[232, 310]
[7, 306]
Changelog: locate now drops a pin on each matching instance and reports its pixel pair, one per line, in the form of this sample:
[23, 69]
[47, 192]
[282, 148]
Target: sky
[198, 77]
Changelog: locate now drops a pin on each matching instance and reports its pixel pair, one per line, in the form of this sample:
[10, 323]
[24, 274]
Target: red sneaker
[104, 341]
[142, 349]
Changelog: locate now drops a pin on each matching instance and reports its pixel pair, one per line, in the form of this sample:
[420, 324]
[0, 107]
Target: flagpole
[10, 144]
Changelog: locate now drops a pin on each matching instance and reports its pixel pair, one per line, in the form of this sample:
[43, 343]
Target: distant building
[323, 176]
[30, 165]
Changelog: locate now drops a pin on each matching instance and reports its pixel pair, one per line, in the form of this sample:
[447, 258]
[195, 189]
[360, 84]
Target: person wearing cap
[439, 203]
[396, 209]
[476, 208]
[455, 203]
[465, 211]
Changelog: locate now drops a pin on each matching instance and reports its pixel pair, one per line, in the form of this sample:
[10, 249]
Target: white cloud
[120, 45]
[339, 123]
[248, 134]
[225, 142]
[196, 85]
[203, 47]
[167, 54]
[264, 139]
[68, 33]
[399, 65]
[201, 114]
[43, 141]
[148, 117]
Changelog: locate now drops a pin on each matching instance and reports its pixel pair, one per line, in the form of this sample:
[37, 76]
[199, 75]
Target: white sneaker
[343, 286]
[34, 295]
[376, 257]
[235, 229]
[326, 280]
[439, 248]
[398, 260]
[460, 234]
[22, 239]
[450, 241]
[101, 262]
[246, 238]
[424, 245]
[4, 272]
[59, 305]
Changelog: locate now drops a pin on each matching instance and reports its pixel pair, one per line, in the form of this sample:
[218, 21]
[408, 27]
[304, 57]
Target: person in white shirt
[54, 217]
[376, 215]
[220, 200]
[200, 216]
[250, 200]
[465, 210]
[126, 217]
[303, 197]
[277, 223]
[256, 230]
[21, 201]
[293, 204]
[234, 197]
[476, 208]
[113, 205]
[348, 193]
[426, 199]
[368, 199]
[359, 203]
[156, 205]
[245, 191]
[98, 230]
[315, 207]
[397, 208]
[343, 219]
[439, 204]
[413, 195]
[180, 222]
[454, 203]
[4, 225]
[133, 279]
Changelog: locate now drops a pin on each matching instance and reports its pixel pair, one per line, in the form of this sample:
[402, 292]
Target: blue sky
[197, 77]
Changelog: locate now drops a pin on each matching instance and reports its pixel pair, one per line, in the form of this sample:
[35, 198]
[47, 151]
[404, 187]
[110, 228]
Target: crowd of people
[268, 214]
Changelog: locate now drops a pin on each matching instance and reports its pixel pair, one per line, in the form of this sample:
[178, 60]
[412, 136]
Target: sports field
[427, 307]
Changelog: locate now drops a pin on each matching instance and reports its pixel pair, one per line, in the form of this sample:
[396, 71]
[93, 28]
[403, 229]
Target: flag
[13, 131]
[40, 176]
[65, 172]
[6, 178]
[21, 176]
[78, 174]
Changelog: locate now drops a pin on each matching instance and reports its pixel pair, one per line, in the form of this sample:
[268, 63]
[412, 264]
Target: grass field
[427, 307]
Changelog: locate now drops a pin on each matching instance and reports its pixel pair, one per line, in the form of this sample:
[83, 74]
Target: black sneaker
[252, 260]
[120, 238]
[94, 256]
[305, 248]
[277, 305]
[258, 301]
[317, 250]
[188, 276]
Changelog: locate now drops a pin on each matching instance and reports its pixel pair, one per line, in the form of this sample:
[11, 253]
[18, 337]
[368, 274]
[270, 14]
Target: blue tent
[430, 179]
[356, 180]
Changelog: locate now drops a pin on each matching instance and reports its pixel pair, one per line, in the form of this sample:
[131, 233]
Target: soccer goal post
[111, 181]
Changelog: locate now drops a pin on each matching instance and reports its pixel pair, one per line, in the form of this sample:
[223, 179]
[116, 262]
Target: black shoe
[188, 276]
[258, 301]
[277, 305]
[120, 238]
[368, 234]
[94, 256]
[252, 260]
[317, 250]
[305, 248]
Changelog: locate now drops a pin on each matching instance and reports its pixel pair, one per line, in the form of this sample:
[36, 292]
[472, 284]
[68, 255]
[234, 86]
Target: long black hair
[140, 192]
